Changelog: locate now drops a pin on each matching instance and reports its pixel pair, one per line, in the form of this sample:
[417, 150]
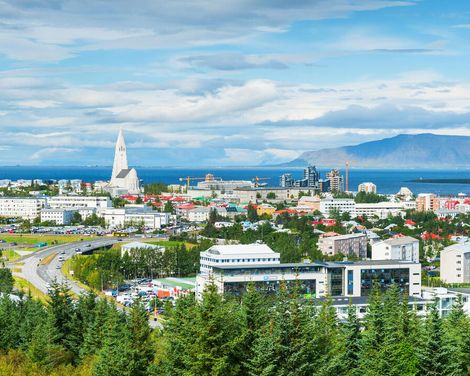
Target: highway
[42, 275]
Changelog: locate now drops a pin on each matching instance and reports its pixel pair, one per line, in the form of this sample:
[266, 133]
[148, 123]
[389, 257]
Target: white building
[455, 263]
[343, 205]
[350, 279]
[58, 216]
[404, 248]
[126, 248]
[238, 255]
[73, 202]
[367, 187]
[380, 209]
[134, 216]
[21, 207]
[123, 179]
[446, 298]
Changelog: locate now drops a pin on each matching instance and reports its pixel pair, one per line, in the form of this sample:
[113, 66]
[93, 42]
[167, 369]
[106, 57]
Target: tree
[116, 356]
[76, 218]
[271, 196]
[6, 281]
[139, 329]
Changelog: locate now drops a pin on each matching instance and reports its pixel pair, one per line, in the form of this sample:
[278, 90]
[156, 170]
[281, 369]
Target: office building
[137, 216]
[367, 187]
[240, 255]
[347, 245]
[57, 216]
[342, 205]
[21, 207]
[310, 179]
[380, 210]
[404, 248]
[455, 263]
[73, 202]
[311, 176]
[313, 280]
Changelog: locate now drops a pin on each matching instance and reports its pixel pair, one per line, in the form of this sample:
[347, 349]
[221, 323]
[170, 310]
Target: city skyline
[243, 83]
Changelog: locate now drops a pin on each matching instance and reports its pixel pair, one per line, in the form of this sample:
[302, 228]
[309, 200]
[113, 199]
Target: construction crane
[257, 179]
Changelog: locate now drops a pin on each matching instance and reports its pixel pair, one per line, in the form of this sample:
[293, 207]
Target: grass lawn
[25, 286]
[38, 238]
[10, 254]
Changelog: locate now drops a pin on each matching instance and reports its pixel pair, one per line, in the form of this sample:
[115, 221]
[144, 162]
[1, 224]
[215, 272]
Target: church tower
[120, 156]
[124, 180]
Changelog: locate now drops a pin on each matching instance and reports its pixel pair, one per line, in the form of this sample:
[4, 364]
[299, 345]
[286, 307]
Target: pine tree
[140, 338]
[115, 358]
[9, 323]
[433, 353]
[94, 330]
[370, 361]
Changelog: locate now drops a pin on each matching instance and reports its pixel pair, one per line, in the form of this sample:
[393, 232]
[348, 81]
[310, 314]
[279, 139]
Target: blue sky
[233, 82]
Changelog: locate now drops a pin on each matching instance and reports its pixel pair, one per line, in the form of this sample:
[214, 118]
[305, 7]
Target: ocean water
[387, 181]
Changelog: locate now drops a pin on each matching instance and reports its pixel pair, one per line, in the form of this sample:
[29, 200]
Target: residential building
[455, 263]
[286, 181]
[57, 216]
[347, 245]
[312, 280]
[265, 209]
[336, 180]
[311, 176]
[72, 202]
[343, 205]
[404, 248]
[427, 202]
[324, 185]
[21, 207]
[367, 187]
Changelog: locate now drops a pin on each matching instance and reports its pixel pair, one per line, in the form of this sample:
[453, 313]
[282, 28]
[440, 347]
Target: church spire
[120, 156]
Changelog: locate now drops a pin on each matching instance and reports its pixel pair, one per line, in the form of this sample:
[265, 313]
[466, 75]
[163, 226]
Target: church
[124, 180]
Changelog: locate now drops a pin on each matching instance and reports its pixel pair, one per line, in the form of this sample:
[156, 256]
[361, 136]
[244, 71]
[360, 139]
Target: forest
[220, 335]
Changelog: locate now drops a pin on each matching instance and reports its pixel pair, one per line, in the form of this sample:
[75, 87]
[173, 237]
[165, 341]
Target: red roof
[410, 222]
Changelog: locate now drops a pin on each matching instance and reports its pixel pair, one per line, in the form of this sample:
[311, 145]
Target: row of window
[222, 261]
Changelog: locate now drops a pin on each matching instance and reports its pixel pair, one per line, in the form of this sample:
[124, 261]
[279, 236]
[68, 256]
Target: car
[57, 266]
[77, 249]
[88, 245]
[61, 258]
[63, 252]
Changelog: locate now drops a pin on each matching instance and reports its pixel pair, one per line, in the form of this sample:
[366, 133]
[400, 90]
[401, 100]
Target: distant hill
[403, 151]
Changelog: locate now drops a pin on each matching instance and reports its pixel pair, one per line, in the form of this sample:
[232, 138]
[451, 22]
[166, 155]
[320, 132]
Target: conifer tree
[142, 353]
[115, 358]
[434, 354]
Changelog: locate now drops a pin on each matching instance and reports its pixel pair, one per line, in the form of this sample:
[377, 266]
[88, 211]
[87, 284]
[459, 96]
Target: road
[42, 275]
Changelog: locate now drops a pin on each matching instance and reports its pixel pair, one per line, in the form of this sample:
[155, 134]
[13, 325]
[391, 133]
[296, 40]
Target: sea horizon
[388, 181]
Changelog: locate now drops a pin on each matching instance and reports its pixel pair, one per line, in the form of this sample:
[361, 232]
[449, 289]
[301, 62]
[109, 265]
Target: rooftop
[400, 240]
[240, 249]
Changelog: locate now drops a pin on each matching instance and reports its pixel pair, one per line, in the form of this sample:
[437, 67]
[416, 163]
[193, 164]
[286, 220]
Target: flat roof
[240, 249]
[327, 264]
[400, 240]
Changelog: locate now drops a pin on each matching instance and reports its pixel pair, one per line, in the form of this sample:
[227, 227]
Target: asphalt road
[42, 275]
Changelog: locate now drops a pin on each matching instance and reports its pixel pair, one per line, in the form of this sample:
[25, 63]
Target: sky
[226, 83]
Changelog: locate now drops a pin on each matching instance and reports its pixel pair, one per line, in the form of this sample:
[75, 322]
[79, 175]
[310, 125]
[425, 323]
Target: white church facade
[124, 180]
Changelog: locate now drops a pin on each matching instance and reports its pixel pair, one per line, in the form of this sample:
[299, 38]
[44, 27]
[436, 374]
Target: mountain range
[424, 150]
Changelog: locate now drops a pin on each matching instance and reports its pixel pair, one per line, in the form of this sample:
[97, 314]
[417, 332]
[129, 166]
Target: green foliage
[6, 280]
[155, 188]
[369, 197]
